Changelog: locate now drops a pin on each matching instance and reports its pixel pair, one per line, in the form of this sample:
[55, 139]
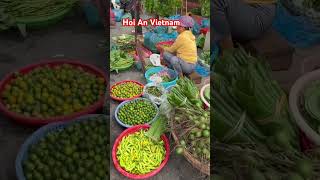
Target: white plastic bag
[156, 100]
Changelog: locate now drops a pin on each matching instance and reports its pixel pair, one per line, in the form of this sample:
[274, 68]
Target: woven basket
[204, 168]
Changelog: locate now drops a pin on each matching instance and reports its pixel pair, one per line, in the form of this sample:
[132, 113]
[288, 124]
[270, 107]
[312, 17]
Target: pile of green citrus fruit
[139, 111]
[126, 90]
[49, 92]
[79, 151]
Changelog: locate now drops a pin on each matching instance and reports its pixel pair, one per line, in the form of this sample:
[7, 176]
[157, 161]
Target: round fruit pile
[53, 91]
[126, 90]
[138, 154]
[139, 111]
[77, 152]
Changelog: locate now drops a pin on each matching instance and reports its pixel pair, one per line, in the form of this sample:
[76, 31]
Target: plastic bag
[153, 98]
[205, 23]
[118, 14]
[196, 29]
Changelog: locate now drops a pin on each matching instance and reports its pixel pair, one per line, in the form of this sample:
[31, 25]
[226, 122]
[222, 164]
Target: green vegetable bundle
[162, 8]
[13, 10]
[259, 95]
[120, 60]
[125, 42]
[231, 123]
[205, 8]
[185, 94]
[256, 162]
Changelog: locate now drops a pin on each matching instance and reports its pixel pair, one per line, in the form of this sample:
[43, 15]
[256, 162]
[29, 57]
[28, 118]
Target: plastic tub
[123, 82]
[202, 95]
[125, 102]
[134, 176]
[41, 121]
[294, 99]
[158, 69]
[40, 133]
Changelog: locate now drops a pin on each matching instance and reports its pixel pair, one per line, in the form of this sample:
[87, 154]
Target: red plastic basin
[135, 176]
[33, 121]
[125, 99]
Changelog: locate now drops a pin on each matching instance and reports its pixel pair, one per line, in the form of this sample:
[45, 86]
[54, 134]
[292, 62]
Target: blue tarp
[205, 23]
[151, 39]
[298, 30]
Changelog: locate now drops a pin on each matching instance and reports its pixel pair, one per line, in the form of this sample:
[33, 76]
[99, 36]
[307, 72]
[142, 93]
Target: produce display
[163, 76]
[138, 154]
[185, 94]
[78, 151]
[52, 91]
[254, 161]
[126, 90]
[246, 80]
[195, 136]
[190, 124]
[11, 11]
[120, 60]
[163, 8]
[205, 58]
[254, 135]
[205, 8]
[125, 42]
[154, 90]
[138, 111]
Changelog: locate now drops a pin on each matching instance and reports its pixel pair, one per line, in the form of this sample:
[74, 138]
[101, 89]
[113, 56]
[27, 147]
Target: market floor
[70, 38]
[178, 168]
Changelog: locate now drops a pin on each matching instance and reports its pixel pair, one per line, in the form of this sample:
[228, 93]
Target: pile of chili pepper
[138, 154]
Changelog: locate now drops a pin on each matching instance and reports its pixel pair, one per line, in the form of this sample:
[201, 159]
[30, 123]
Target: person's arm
[176, 45]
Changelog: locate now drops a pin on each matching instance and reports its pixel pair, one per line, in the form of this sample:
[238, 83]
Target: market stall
[147, 96]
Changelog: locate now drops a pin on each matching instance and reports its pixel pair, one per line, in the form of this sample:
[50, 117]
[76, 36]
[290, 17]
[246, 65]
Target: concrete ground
[70, 38]
[178, 168]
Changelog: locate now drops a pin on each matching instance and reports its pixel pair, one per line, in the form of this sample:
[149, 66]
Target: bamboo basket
[204, 168]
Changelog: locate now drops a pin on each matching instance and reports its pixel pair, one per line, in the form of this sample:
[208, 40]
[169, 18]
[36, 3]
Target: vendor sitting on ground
[182, 55]
[240, 20]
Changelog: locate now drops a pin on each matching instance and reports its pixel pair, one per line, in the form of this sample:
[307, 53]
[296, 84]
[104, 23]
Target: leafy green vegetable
[157, 128]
